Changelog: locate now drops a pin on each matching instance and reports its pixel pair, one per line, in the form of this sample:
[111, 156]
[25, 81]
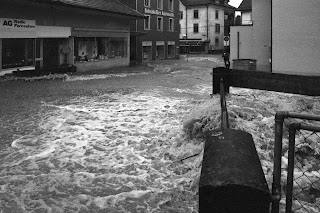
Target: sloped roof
[109, 6]
[202, 2]
[245, 5]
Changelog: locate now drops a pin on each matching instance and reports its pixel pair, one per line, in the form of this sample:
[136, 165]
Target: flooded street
[122, 142]
[102, 143]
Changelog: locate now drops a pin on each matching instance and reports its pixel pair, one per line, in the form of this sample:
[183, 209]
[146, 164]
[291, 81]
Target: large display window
[17, 52]
[160, 52]
[147, 50]
[95, 49]
[171, 49]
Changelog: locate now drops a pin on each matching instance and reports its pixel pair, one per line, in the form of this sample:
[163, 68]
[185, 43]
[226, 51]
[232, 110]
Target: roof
[202, 2]
[108, 6]
[245, 5]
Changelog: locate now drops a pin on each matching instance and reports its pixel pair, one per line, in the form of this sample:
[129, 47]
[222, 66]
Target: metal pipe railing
[224, 111]
[279, 120]
[293, 128]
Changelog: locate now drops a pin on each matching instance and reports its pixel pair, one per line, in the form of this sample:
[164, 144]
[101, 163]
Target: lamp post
[187, 50]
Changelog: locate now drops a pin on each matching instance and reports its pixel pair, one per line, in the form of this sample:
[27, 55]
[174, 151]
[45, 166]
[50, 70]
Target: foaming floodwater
[107, 153]
[123, 151]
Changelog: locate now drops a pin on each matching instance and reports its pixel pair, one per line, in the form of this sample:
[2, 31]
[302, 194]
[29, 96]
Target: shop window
[160, 4]
[217, 28]
[171, 52]
[160, 51]
[17, 53]
[195, 28]
[147, 3]
[170, 5]
[147, 23]
[147, 53]
[118, 47]
[94, 49]
[196, 14]
[171, 26]
[159, 23]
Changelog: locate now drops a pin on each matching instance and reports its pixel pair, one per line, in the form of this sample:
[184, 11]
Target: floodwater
[101, 143]
[121, 142]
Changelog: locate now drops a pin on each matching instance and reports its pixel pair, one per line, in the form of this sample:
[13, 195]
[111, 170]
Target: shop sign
[159, 43]
[18, 24]
[171, 43]
[147, 43]
[158, 12]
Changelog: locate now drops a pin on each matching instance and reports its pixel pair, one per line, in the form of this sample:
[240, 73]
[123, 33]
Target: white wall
[296, 40]
[261, 16]
[246, 50]
[246, 18]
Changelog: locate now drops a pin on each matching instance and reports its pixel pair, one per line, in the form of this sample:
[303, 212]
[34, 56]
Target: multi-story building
[157, 36]
[282, 36]
[88, 34]
[205, 25]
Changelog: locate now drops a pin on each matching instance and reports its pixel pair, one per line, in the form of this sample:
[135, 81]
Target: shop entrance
[50, 53]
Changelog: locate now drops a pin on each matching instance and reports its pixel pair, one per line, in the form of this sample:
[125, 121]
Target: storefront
[26, 46]
[160, 54]
[147, 50]
[59, 34]
[171, 49]
[192, 46]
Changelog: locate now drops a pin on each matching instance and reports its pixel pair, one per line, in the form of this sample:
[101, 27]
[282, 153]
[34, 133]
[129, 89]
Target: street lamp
[185, 38]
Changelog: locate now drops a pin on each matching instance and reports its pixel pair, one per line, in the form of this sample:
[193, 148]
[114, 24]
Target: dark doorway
[50, 53]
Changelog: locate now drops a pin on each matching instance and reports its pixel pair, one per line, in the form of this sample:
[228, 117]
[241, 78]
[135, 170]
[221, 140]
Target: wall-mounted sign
[159, 42]
[158, 12]
[146, 43]
[18, 24]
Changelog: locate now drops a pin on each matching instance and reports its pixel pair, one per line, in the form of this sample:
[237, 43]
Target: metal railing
[302, 187]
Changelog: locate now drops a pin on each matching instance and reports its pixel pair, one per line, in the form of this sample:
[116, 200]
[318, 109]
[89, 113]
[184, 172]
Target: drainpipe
[187, 20]
[271, 39]
[207, 22]
[0, 54]
[238, 45]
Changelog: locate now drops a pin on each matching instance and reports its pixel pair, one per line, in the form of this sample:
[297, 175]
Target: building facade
[250, 42]
[53, 34]
[282, 36]
[157, 36]
[205, 25]
[295, 37]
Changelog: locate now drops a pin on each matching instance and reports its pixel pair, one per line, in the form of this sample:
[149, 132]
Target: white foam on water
[102, 76]
[128, 152]
[102, 152]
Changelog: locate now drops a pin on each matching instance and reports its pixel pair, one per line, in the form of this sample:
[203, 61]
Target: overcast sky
[235, 3]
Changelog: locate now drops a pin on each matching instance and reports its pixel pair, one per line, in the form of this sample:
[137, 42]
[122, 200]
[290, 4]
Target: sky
[235, 3]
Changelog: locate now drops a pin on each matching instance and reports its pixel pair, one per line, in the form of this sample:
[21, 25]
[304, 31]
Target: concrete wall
[246, 44]
[296, 40]
[261, 13]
